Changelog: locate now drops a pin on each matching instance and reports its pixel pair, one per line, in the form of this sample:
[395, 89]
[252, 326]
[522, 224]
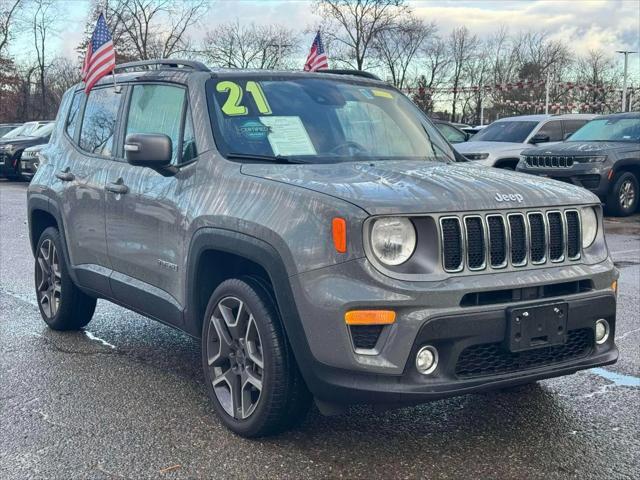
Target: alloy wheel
[627, 195]
[48, 278]
[234, 356]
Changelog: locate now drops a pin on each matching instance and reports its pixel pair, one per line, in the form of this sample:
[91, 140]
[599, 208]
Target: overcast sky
[584, 24]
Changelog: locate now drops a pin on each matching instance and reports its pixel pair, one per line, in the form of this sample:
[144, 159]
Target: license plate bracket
[537, 326]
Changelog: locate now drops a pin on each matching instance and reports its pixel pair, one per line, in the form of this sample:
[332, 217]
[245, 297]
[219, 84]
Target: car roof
[181, 75]
[634, 115]
[543, 116]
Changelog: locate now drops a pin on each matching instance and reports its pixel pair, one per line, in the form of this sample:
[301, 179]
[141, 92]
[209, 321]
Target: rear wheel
[62, 305]
[251, 375]
[623, 197]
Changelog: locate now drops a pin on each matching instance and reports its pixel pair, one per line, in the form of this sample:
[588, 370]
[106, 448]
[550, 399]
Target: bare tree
[398, 45]
[62, 74]
[462, 47]
[249, 46]
[43, 25]
[352, 26]
[8, 11]
[146, 29]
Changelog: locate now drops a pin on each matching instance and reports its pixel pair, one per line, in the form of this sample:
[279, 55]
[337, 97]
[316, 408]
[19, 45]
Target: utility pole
[626, 54]
[547, 85]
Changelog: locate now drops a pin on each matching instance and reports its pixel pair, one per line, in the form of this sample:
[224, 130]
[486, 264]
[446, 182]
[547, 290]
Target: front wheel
[250, 372]
[623, 198]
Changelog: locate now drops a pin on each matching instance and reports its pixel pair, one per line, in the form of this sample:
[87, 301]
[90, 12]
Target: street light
[624, 81]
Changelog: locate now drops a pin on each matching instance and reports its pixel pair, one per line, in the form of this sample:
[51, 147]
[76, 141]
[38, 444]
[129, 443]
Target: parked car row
[18, 140]
[599, 153]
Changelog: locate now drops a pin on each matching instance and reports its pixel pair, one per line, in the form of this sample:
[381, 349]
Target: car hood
[583, 148]
[21, 141]
[488, 147]
[391, 187]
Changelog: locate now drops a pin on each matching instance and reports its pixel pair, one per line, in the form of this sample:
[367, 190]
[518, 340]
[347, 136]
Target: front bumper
[337, 372]
[592, 176]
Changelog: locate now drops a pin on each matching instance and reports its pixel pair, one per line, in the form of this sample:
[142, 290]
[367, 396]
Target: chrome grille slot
[451, 237]
[556, 236]
[573, 234]
[497, 241]
[537, 238]
[518, 230]
[475, 237]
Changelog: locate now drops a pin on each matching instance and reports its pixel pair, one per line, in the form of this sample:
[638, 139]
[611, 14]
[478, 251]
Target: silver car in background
[500, 144]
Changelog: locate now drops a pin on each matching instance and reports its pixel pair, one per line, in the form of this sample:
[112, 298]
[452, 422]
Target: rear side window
[99, 124]
[157, 109]
[571, 126]
[553, 130]
[74, 114]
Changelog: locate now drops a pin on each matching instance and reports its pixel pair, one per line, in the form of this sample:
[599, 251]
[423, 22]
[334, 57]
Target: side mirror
[566, 135]
[467, 136]
[539, 138]
[151, 150]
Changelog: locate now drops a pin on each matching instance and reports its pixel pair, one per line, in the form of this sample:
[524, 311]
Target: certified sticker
[254, 130]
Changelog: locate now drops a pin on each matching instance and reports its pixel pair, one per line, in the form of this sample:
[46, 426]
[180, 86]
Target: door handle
[116, 187]
[65, 175]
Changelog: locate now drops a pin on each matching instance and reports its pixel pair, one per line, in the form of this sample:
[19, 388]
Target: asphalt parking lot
[124, 399]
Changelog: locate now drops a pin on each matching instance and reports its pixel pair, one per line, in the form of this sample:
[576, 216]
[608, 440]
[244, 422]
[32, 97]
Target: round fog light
[602, 331]
[427, 360]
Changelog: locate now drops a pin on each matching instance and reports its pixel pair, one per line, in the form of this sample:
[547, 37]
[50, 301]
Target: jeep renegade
[313, 230]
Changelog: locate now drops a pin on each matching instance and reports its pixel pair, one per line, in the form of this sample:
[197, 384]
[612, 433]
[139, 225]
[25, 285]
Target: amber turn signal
[370, 317]
[614, 286]
[339, 230]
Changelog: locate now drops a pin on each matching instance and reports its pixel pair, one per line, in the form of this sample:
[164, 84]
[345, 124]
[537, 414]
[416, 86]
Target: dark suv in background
[603, 156]
[11, 149]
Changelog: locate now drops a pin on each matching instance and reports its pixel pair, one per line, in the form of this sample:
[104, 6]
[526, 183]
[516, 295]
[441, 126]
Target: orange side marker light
[339, 230]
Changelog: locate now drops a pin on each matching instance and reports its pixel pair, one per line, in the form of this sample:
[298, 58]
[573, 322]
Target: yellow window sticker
[233, 104]
[381, 93]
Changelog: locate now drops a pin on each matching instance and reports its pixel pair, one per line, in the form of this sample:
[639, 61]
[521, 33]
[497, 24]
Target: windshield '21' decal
[233, 104]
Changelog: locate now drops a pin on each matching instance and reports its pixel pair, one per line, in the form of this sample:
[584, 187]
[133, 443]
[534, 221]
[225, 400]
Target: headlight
[589, 223]
[393, 240]
[476, 156]
[592, 159]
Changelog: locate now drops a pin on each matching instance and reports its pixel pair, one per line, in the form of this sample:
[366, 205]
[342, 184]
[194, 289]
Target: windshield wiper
[263, 158]
[434, 146]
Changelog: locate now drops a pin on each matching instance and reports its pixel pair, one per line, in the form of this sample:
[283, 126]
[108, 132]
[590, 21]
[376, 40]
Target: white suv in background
[500, 144]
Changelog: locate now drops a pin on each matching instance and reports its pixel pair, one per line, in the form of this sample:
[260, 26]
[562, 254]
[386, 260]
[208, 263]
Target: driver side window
[553, 130]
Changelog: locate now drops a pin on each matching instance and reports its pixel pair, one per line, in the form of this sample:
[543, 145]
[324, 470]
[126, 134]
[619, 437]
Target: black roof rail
[357, 73]
[166, 62]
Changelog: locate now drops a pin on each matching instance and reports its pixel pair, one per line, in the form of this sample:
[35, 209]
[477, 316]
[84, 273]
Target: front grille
[475, 242]
[556, 236]
[496, 240]
[365, 336]
[549, 161]
[495, 358]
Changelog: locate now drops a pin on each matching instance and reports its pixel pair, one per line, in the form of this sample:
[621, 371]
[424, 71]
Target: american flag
[317, 59]
[101, 57]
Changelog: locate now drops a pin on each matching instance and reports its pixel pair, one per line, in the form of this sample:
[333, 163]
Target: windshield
[505, 131]
[609, 129]
[319, 120]
[15, 132]
[43, 131]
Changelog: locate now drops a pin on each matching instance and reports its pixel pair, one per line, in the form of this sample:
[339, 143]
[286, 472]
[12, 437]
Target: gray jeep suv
[313, 230]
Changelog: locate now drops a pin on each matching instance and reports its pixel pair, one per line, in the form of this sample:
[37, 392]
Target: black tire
[623, 183]
[283, 400]
[67, 307]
